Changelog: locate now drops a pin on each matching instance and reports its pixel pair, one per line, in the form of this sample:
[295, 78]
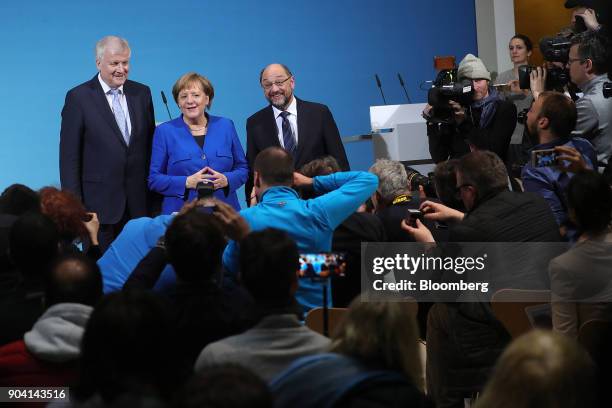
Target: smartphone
[544, 158]
[322, 265]
[524, 74]
[412, 215]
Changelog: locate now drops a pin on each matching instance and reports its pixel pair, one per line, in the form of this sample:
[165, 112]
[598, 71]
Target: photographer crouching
[478, 118]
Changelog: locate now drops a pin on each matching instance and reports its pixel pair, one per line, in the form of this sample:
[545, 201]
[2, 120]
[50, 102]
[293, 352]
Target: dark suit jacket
[317, 136]
[95, 162]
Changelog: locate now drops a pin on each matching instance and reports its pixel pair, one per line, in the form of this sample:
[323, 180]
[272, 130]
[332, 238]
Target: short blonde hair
[193, 78]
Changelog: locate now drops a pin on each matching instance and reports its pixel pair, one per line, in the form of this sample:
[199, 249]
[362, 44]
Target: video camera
[446, 88]
[554, 49]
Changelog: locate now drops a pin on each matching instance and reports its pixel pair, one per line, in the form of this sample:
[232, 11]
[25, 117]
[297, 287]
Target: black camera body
[556, 78]
[447, 88]
[556, 49]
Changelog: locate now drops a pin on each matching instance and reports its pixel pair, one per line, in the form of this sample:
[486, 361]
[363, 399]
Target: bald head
[74, 278]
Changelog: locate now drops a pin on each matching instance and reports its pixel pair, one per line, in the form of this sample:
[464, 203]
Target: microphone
[401, 81]
[380, 87]
[165, 101]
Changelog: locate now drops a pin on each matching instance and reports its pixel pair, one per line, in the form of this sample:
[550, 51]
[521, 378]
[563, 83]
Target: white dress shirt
[122, 101]
[292, 109]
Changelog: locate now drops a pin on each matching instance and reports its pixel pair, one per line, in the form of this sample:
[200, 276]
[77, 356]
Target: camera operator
[487, 123]
[588, 64]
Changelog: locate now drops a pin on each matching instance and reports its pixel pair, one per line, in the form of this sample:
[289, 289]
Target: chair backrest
[512, 307]
[314, 319]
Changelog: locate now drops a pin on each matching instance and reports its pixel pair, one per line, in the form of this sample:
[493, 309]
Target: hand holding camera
[537, 81]
[92, 224]
[458, 112]
[419, 232]
[570, 159]
[439, 212]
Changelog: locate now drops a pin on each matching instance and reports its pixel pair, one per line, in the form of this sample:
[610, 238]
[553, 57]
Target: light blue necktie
[120, 115]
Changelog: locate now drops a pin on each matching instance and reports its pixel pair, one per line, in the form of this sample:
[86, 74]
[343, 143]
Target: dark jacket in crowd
[467, 335]
[21, 304]
[335, 380]
[203, 311]
[451, 141]
[393, 215]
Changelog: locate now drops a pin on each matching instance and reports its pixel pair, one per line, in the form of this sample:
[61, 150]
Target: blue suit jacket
[95, 162]
[176, 155]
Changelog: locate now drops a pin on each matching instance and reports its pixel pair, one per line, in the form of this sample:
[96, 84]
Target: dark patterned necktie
[288, 138]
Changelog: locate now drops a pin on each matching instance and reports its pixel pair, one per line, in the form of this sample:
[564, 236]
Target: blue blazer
[176, 155]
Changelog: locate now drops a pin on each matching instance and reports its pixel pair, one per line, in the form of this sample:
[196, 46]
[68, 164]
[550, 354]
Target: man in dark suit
[105, 141]
[307, 130]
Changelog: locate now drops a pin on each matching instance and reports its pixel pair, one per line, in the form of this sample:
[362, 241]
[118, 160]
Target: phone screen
[322, 265]
[544, 158]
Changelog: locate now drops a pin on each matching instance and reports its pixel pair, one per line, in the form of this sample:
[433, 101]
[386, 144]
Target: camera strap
[402, 198]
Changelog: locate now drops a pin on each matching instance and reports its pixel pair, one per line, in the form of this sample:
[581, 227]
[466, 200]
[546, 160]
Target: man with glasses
[587, 65]
[464, 339]
[307, 130]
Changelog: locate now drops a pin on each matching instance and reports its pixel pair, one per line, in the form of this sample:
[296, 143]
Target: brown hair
[560, 111]
[322, 166]
[275, 166]
[193, 78]
[66, 211]
[485, 171]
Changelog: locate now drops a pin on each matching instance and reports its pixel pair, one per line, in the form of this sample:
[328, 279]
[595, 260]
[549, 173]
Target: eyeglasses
[572, 60]
[267, 85]
[458, 190]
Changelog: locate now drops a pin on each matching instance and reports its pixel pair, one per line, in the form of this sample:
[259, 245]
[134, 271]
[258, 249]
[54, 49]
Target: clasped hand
[207, 175]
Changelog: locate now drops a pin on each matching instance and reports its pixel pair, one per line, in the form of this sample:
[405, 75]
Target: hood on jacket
[56, 335]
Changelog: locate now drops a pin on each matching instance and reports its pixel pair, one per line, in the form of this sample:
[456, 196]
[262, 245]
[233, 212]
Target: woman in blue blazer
[196, 147]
